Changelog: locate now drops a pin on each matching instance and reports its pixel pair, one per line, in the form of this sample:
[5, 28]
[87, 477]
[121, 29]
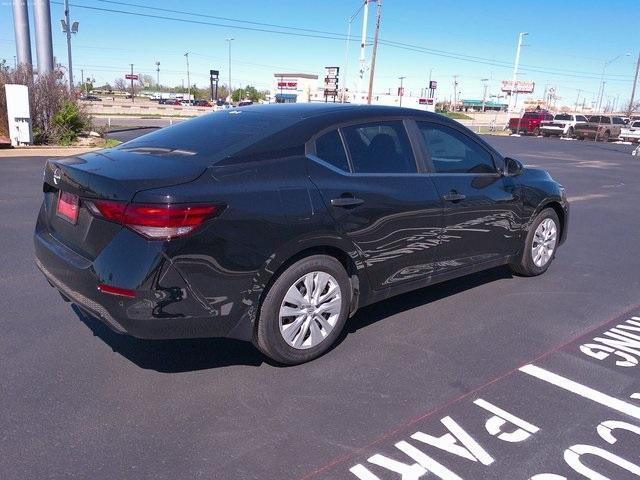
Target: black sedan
[275, 223]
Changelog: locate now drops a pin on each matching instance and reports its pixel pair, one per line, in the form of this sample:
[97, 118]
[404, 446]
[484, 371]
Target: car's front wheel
[304, 311]
[539, 247]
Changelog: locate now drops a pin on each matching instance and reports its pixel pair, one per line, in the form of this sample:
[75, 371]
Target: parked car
[245, 103]
[530, 122]
[90, 98]
[631, 133]
[563, 124]
[275, 223]
[600, 127]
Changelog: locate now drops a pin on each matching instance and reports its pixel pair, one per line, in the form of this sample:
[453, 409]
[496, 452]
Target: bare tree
[120, 84]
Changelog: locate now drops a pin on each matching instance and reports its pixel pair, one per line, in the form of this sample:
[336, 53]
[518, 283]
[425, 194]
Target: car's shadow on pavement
[416, 298]
[173, 356]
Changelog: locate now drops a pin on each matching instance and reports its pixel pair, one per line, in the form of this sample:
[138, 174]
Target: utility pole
[401, 90]
[365, 19]
[229, 40]
[455, 93]
[132, 92]
[516, 64]
[484, 92]
[67, 30]
[158, 74]
[633, 89]
[375, 50]
[188, 79]
[577, 100]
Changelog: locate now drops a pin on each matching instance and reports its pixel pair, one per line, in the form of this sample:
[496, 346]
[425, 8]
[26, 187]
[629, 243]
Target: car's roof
[310, 110]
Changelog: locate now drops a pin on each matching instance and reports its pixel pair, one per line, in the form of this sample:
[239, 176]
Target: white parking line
[582, 390]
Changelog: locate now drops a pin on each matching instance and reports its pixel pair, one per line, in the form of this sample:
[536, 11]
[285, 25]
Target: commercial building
[477, 106]
[294, 87]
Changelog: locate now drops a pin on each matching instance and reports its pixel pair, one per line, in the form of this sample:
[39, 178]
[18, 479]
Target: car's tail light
[156, 221]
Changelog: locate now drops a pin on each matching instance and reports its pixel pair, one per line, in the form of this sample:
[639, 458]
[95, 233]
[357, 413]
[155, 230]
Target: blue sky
[568, 42]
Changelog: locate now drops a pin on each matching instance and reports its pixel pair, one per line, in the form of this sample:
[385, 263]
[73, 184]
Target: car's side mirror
[512, 167]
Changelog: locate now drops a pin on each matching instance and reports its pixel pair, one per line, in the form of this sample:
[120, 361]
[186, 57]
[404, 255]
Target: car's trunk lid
[111, 175]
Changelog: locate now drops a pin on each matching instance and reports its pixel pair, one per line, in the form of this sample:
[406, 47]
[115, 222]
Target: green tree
[247, 93]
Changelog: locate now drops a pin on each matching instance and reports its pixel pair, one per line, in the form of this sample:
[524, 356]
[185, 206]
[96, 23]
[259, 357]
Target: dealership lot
[520, 372]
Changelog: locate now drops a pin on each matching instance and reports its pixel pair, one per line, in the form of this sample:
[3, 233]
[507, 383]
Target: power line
[337, 36]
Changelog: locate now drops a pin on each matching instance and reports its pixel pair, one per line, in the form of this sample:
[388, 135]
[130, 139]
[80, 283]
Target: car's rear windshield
[531, 115]
[563, 116]
[213, 136]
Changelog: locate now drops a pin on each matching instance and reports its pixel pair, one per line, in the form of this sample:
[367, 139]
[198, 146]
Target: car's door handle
[345, 202]
[453, 196]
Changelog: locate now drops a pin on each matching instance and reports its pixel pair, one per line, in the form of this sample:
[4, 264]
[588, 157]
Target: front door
[391, 213]
[482, 207]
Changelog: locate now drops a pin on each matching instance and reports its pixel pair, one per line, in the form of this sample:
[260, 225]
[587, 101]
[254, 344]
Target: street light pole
[484, 93]
[401, 91]
[229, 40]
[346, 54]
[516, 64]
[68, 32]
[158, 74]
[602, 82]
[188, 79]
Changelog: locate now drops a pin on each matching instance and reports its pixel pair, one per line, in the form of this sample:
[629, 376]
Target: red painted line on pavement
[338, 460]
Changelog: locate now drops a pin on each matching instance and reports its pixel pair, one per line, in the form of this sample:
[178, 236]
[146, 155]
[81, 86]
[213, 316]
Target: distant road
[128, 122]
[126, 135]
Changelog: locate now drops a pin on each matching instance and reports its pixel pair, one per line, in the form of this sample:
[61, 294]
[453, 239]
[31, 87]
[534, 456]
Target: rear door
[481, 206]
[370, 181]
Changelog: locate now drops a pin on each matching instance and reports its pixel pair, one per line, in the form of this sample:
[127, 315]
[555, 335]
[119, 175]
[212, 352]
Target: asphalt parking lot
[487, 377]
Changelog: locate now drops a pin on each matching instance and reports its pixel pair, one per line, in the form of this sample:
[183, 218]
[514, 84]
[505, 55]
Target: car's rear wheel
[304, 311]
[570, 132]
[539, 247]
[606, 137]
[536, 131]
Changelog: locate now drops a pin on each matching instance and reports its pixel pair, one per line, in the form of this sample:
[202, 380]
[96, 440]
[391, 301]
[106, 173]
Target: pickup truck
[529, 123]
[600, 127]
[562, 124]
[631, 132]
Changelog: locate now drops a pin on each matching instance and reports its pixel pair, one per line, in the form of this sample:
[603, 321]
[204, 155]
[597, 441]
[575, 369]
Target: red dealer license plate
[67, 208]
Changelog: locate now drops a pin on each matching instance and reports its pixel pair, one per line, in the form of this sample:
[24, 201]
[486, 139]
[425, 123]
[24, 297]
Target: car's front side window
[329, 148]
[453, 152]
[380, 147]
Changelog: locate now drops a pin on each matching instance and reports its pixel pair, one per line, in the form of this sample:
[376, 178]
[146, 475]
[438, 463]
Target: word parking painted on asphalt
[604, 449]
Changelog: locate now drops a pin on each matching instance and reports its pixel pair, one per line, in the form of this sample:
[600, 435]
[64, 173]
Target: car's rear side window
[380, 147]
[618, 121]
[329, 148]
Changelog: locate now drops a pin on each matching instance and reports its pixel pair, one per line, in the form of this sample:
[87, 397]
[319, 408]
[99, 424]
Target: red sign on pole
[131, 77]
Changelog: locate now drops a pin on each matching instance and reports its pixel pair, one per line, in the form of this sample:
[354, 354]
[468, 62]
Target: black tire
[570, 132]
[606, 136]
[268, 338]
[581, 137]
[545, 134]
[525, 265]
[536, 132]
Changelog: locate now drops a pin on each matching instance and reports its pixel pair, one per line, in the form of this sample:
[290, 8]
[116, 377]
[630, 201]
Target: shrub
[68, 122]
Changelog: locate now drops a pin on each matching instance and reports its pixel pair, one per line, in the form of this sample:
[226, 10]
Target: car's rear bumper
[164, 306]
[552, 130]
